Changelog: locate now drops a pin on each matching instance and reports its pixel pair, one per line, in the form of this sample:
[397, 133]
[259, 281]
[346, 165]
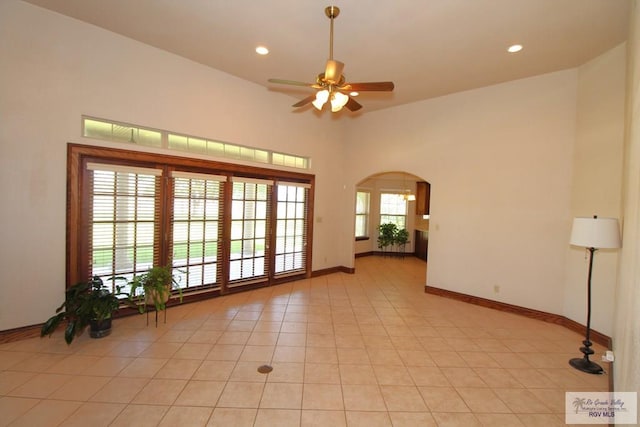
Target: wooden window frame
[78, 155]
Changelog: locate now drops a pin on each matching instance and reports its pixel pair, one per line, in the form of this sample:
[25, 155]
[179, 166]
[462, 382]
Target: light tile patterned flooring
[365, 349]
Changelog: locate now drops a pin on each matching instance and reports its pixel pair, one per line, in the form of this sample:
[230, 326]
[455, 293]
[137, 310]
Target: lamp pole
[584, 364]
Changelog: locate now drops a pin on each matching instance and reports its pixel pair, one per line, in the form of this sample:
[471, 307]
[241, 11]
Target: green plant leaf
[70, 332]
[51, 325]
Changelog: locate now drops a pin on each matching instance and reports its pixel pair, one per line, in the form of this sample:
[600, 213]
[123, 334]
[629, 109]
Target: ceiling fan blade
[292, 82]
[352, 104]
[369, 86]
[333, 71]
[304, 101]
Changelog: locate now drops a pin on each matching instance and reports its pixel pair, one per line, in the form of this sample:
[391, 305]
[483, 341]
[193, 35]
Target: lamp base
[586, 365]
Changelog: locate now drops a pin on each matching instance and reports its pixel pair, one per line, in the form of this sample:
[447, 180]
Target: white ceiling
[428, 48]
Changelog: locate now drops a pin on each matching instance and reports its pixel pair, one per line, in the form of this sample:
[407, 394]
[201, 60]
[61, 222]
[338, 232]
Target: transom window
[125, 132]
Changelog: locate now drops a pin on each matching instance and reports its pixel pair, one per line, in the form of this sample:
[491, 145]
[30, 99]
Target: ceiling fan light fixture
[331, 84]
[338, 100]
[321, 98]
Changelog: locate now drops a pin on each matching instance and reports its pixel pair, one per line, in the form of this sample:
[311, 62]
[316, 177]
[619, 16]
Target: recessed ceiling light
[261, 50]
[514, 48]
[354, 93]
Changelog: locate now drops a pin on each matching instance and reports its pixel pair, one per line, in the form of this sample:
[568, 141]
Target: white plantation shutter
[292, 215]
[124, 220]
[196, 225]
[250, 213]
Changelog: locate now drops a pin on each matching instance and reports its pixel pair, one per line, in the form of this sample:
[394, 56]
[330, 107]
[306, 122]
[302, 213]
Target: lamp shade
[321, 98]
[599, 233]
[338, 100]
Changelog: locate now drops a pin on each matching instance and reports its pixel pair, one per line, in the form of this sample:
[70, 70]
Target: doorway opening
[398, 198]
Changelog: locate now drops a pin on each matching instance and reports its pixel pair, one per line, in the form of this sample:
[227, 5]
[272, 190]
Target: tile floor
[365, 349]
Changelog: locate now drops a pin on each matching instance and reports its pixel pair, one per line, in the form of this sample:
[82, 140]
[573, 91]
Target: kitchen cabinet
[422, 244]
[423, 196]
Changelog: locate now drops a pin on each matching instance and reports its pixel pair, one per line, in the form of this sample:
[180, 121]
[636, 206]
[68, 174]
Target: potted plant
[153, 288]
[86, 304]
[386, 235]
[401, 238]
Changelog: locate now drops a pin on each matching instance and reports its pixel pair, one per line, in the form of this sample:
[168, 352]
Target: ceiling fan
[331, 84]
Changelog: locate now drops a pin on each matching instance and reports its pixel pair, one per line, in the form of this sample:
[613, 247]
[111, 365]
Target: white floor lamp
[592, 233]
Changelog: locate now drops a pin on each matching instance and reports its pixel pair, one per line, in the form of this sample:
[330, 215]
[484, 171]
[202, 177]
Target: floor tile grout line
[332, 293]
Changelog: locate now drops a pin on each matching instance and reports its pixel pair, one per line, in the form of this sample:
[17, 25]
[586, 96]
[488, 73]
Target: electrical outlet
[496, 289]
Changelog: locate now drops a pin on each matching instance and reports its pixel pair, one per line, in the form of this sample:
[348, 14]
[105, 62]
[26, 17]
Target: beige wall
[597, 182]
[626, 337]
[510, 166]
[54, 69]
[500, 159]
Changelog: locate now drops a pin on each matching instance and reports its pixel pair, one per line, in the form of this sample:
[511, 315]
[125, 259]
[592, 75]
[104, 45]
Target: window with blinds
[362, 214]
[196, 229]
[124, 220]
[221, 228]
[250, 200]
[291, 226]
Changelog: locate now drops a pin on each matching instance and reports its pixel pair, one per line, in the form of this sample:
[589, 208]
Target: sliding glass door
[248, 259]
[196, 229]
[291, 225]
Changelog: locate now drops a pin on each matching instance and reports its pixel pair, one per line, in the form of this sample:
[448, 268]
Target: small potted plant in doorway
[401, 238]
[386, 235]
[86, 304]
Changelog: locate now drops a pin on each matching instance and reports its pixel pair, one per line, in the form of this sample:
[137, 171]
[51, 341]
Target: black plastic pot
[100, 328]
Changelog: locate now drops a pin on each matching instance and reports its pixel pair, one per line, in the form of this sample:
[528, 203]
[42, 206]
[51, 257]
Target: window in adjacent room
[393, 209]
[362, 214]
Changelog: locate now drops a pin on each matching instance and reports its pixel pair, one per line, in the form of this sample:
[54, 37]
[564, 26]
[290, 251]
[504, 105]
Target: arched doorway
[392, 197]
